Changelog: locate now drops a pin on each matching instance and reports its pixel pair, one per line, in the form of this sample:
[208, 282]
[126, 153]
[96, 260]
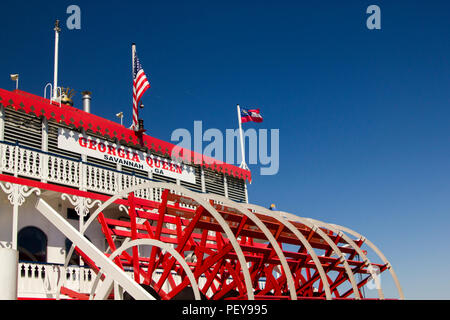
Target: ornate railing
[25, 162]
[37, 280]
[22, 161]
[41, 280]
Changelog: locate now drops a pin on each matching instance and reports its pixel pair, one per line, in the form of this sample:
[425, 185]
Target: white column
[83, 186]
[203, 179]
[16, 196]
[9, 258]
[225, 185]
[15, 225]
[44, 147]
[8, 273]
[44, 143]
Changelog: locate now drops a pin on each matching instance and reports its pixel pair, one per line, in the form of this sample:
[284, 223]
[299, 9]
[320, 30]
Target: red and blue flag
[251, 115]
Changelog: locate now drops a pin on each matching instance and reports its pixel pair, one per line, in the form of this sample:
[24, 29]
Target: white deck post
[8, 273]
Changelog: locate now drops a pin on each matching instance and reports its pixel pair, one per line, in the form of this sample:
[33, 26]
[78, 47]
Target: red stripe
[251, 119]
[140, 76]
[142, 83]
[140, 86]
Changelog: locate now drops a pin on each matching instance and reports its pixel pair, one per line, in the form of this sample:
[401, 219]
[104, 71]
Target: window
[32, 245]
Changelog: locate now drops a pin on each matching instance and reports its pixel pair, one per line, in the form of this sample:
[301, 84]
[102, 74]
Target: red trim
[37, 299]
[73, 294]
[53, 187]
[32, 104]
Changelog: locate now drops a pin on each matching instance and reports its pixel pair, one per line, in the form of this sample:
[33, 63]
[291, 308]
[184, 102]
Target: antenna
[120, 116]
[55, 75]
[15, 77]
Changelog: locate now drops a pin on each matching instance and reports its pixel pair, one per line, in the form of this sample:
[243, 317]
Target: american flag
[140, 85]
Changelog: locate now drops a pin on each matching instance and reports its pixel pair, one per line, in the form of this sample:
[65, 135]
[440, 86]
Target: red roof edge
[39, 106]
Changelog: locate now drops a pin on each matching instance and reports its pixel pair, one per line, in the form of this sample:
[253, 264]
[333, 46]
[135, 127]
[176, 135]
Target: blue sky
[363, 114]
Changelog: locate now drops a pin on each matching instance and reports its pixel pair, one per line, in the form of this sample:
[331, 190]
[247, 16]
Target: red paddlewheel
[229, 250]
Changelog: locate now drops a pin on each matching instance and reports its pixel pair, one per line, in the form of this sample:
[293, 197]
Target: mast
[243, 164]
[135, 110]
[55, 75]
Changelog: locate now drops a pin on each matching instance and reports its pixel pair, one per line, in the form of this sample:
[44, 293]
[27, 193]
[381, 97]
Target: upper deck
[57, 143]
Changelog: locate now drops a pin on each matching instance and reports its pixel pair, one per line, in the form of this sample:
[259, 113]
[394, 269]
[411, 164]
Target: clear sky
[363, 114]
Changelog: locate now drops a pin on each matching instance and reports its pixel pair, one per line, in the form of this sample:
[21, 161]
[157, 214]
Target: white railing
[24, 162]
[40, 281]
[50, 168]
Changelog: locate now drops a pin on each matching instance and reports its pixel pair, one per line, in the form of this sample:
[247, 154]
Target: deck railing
[36, 280]
[21, 161]
[40, 280]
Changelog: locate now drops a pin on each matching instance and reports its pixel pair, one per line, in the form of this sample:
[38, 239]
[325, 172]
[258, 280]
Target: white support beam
[108, 267]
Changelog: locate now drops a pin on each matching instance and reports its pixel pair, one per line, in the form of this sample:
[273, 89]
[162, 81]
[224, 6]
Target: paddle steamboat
[90, 209]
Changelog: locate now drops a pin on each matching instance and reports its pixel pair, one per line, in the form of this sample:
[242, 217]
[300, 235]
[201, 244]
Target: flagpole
[243, 164]
[133, 54]
[56, 58]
